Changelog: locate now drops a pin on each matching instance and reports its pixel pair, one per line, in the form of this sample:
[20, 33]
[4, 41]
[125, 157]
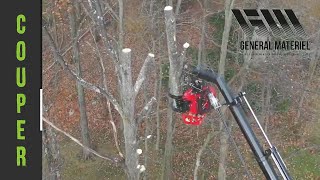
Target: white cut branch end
[168, 8]
[139, 151]
[126, 50]
[186, 45]
[151, 55]
[142, 168]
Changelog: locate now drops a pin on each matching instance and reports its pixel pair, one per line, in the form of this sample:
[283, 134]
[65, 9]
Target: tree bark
[158, 95]
[128, 94]
[198, 157]
[222, 63]
[105, 85]
[267, 106]
[52, 153]
[202, 45]
[129, 126]
[178, 7]
[121, 24]
[74, 25]
[99, 20]
[175, 70]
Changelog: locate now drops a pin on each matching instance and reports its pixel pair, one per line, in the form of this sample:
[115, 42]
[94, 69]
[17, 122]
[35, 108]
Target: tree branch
[115, 134]
[203, 147]
[111, 10]
[142, 74]
[146, 110]
[125, 76]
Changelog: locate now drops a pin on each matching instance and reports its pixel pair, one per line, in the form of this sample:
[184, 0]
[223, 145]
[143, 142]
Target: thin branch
[178, 7]
[115, 135]
[114, 160]
[111, 10]
[48, 68]
[69, 46]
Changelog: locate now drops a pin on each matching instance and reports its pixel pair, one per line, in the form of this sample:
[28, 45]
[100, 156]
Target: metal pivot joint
[237, 100]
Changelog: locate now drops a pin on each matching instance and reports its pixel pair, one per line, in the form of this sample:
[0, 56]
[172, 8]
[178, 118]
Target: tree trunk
[223, 55]
[146, 97]
[129, 126]
[202, 45]
[74, 23]
[158, 95]
[178, 7]
[131, 157]
[121, 24]
[52, 153]
[128, 93]
[198, 157]
[312, 68]
[175, 70]
[267, 106]
[225, 35]
[167, 164]
[172, 50]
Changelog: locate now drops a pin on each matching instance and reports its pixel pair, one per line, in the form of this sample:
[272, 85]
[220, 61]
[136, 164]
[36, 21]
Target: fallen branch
[114, 160]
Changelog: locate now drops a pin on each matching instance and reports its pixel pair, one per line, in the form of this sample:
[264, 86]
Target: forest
[108, 67]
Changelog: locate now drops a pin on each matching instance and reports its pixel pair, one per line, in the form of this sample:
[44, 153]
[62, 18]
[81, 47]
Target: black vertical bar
[9, 90]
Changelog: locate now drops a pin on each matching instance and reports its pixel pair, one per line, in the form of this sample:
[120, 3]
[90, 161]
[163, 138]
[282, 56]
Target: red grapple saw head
[199, 104]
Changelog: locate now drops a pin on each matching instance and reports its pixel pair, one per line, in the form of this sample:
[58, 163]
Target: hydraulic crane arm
[238, 113]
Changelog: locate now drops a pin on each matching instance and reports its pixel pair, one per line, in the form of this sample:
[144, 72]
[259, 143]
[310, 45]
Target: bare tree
[74, 28]
[105, 86]
[176, 65]
[128, 94]
[221, 70]
[158, 94]
[202, 45]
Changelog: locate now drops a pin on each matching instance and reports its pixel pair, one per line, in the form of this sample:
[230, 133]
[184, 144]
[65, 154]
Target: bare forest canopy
[108, 66]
